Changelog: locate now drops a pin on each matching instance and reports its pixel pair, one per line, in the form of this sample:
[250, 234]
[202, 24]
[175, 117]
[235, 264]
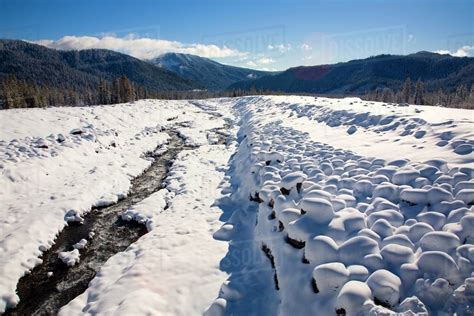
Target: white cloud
[465, 51]
[260, 62]
[265, 61]
[282, 48]
[306, 47]
[143, 48]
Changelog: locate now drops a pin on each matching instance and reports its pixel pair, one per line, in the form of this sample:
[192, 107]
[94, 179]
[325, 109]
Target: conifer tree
[126, 89]
[406, 91]
[419, 93]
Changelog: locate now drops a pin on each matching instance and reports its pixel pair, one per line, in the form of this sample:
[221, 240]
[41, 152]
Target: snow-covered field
[328, 205]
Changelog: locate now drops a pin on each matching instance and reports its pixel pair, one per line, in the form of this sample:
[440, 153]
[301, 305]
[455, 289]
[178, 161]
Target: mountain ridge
[206, 72]
[81, 69]
[363, 75]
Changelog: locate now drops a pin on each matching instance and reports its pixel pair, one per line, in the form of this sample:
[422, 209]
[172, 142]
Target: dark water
[43, 295]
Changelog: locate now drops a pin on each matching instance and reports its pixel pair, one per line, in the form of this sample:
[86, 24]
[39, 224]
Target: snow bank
[146, 211]
[174, 269]
[346, 228]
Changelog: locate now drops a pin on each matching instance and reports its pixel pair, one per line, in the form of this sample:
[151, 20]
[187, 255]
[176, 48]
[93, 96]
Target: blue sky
[258, 34]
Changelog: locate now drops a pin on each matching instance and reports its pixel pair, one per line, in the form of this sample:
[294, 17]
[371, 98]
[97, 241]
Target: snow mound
[347, 228]
[70, 258]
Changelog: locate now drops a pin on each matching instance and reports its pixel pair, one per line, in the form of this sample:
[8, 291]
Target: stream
[44, 294]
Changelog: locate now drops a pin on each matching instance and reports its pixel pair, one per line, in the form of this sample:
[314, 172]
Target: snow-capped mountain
[206, 72]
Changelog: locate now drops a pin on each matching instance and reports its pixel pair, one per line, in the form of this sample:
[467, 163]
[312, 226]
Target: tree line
[415, 93]
[16, 93]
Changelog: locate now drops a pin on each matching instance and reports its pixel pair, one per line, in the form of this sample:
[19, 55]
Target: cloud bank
[142, 48]
[465, 51]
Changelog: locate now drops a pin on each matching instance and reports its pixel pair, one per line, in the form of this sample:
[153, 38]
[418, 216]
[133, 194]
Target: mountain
[361, 76]
[80, 70]
[208, 73]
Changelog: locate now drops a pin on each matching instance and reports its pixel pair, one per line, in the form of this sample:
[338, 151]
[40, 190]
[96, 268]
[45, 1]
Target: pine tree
[440, 98]
[7, 94]
[406, 91]
[126, 89]
[461, 94]
[116, 92]
[387, 95]
[419, 93]
[104, 92]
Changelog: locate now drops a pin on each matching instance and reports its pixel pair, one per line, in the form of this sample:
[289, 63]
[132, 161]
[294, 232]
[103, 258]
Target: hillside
[79, 70]
[206, 72]
[361, 76]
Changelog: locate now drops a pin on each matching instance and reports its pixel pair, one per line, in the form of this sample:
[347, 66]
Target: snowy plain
[345, 206]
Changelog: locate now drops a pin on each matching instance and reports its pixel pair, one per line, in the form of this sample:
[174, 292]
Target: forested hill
[362, 76]
[80, 72]
[208, 73]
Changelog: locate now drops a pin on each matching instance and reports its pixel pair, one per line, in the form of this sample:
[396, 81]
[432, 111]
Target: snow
[146, 211]
[44, 188]
[70, 258]
[352, 297]
[81, 244]
[330, 277]
[319, 210]
[179, 251]
[385, 287]
[380, 234]
[326, 205]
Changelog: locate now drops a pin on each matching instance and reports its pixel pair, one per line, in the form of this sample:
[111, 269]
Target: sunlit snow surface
[361, 207]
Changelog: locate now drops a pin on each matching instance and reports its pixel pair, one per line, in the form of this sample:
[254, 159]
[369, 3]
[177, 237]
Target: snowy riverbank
[328, 205]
